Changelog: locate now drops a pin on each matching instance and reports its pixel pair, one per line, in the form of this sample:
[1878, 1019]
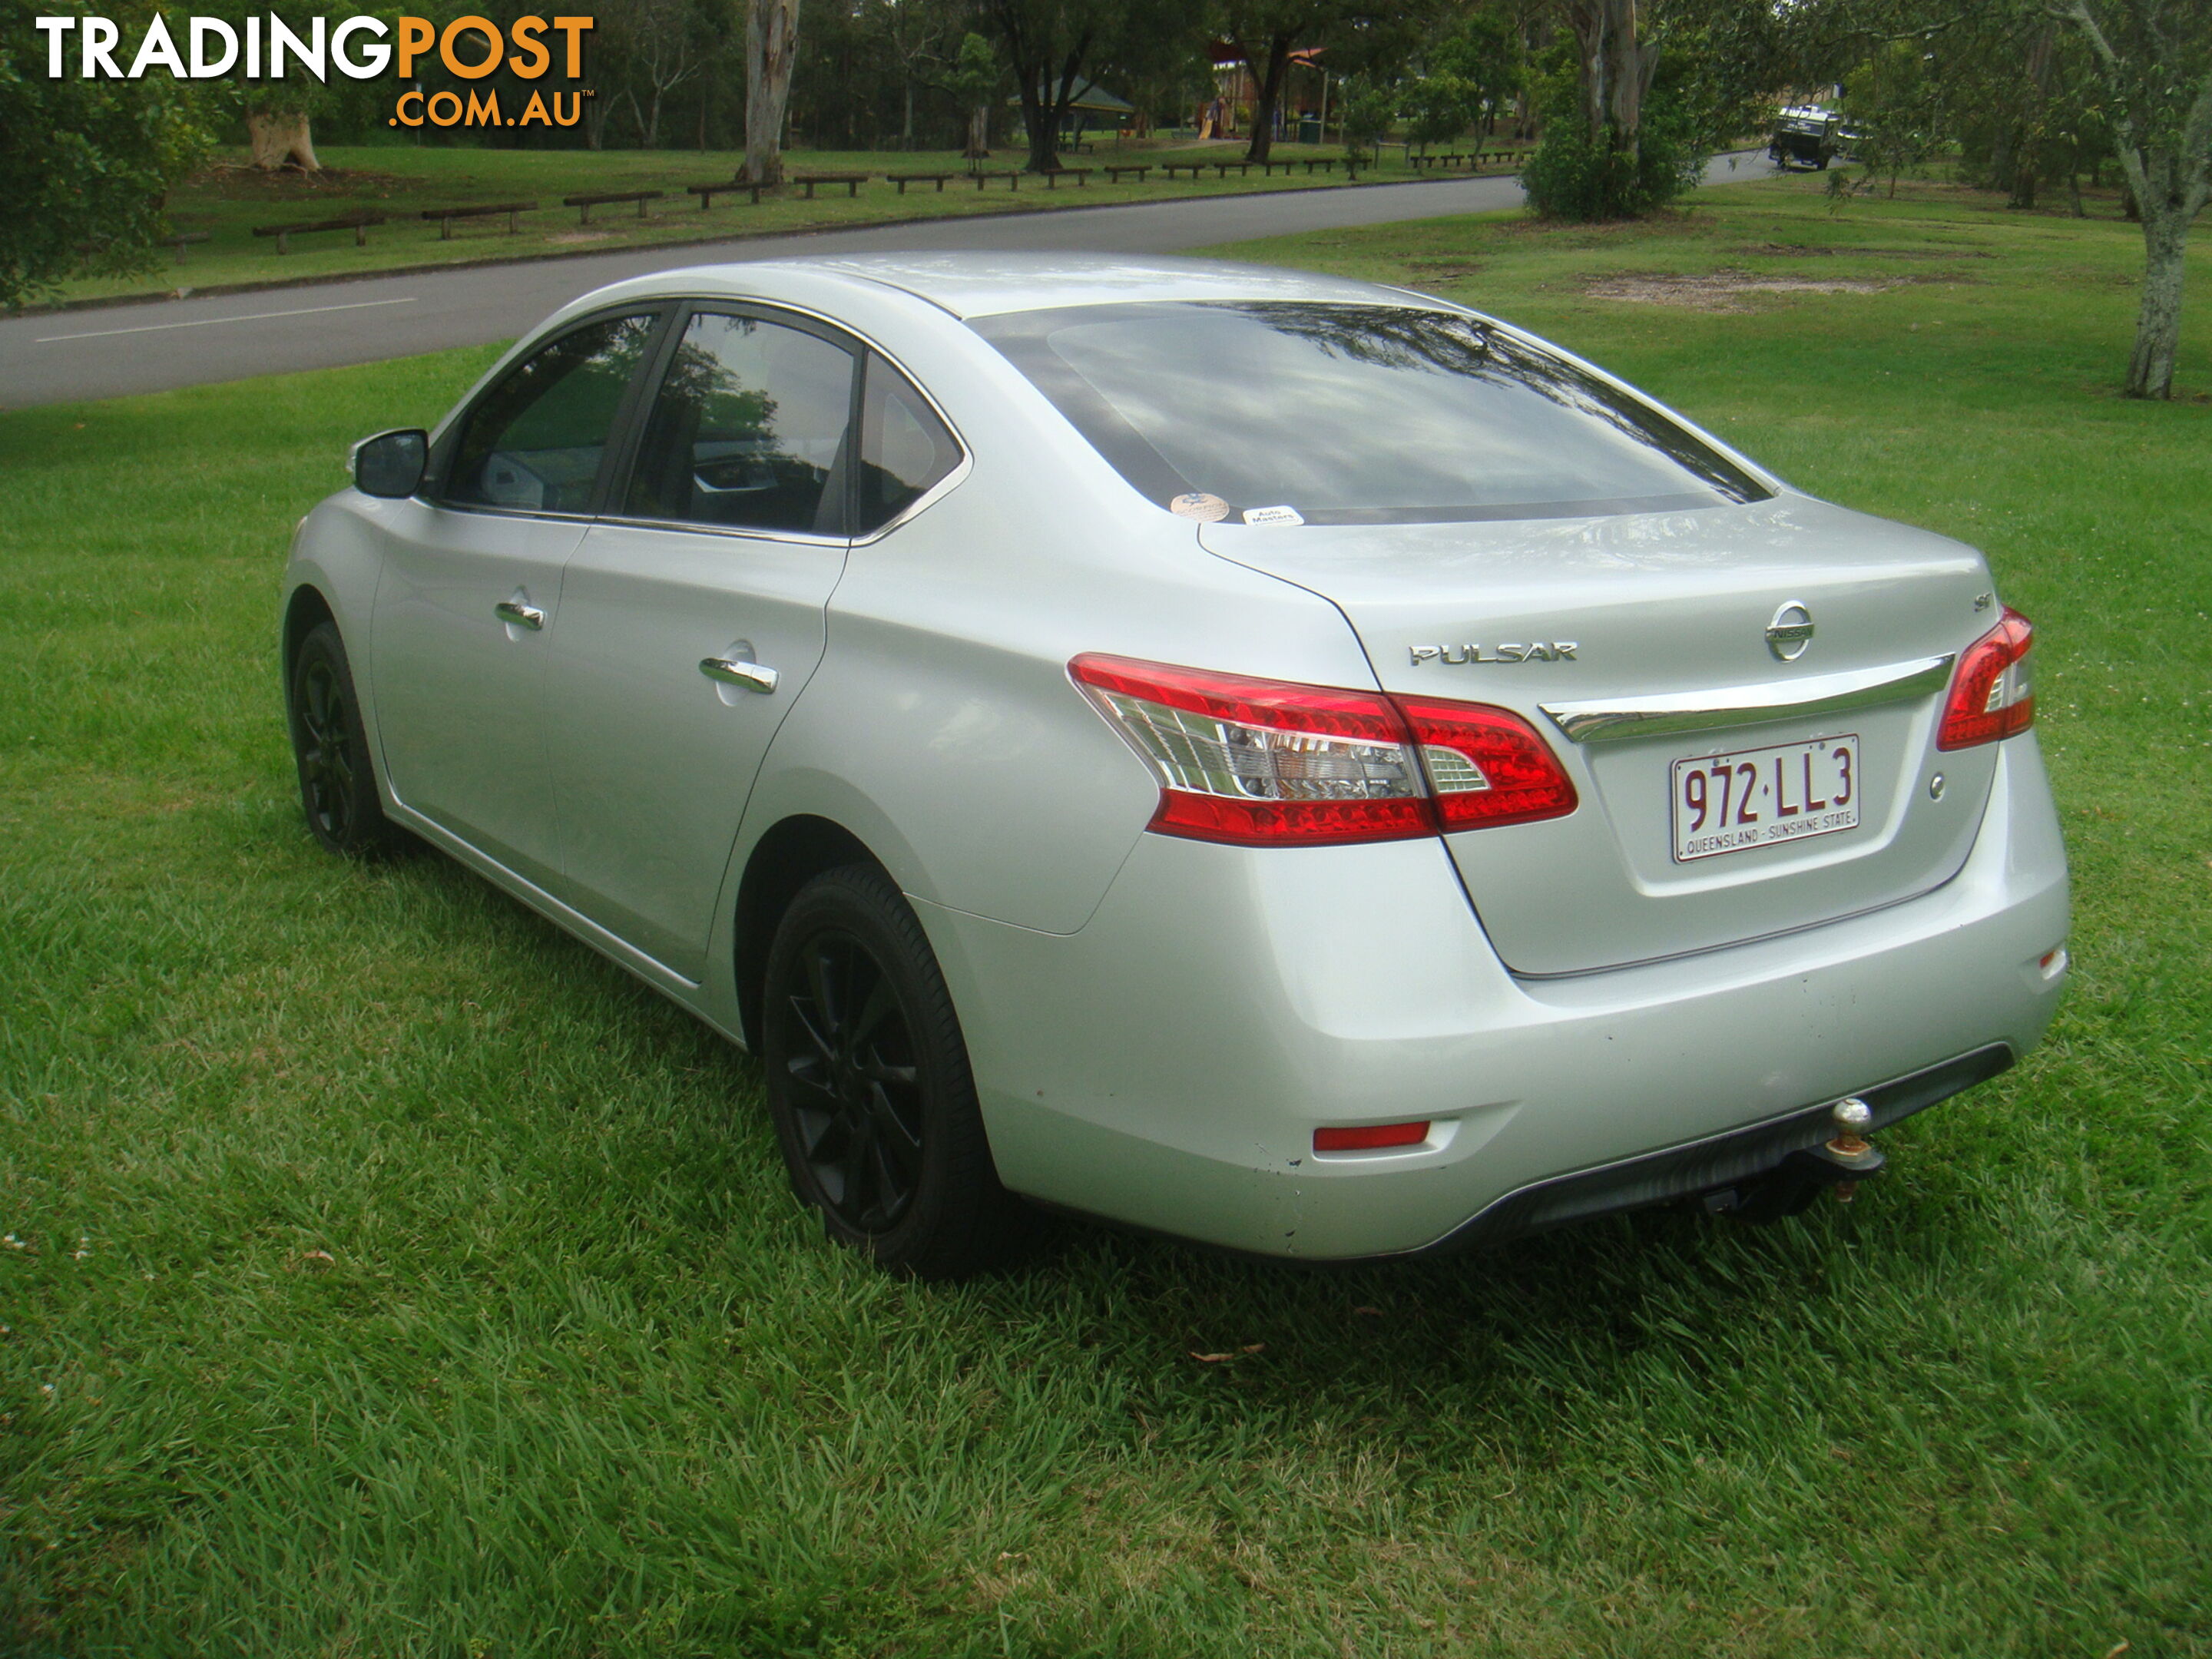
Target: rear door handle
[521, 615]
[754, 676]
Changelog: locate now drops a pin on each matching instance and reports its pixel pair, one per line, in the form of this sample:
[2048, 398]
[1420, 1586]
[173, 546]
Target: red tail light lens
[1992, 695]
[1371, 1137]
[1260, 762]
[1486, 765]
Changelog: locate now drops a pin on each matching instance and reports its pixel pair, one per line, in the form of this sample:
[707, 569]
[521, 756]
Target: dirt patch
[234, 181]
[573, 237]
[1442, 270]
[1717, 290]
[1801, 250]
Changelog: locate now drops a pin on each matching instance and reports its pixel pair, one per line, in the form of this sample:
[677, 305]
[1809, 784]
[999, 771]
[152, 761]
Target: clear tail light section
[1256, 762]
[1992, 693]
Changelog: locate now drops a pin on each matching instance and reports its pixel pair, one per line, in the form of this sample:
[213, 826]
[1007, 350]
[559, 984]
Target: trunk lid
[1653, 631]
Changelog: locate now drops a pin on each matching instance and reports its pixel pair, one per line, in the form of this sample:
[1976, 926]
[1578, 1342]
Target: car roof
[982, 284]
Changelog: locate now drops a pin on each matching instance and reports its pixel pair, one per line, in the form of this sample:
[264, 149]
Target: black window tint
[1356, 414]
[748, 429]
[536, 441]
[904, 448]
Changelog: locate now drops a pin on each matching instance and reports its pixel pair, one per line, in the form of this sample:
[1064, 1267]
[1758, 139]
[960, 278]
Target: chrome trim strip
[740, 532]
[1616, 719]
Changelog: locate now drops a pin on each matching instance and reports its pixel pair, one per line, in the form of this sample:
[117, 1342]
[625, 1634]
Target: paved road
[112, 351]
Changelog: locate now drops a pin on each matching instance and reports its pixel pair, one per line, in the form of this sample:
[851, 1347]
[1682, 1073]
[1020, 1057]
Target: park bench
[585, 202]
[1011, 175]
[184, 239]
[1222, 168]
[1326, 163]
[1113, 174]
[1081, 175]
[358, 223]
[1194, 168]
[706, 193]
[902, 179]
[852, 181]
[446, 216]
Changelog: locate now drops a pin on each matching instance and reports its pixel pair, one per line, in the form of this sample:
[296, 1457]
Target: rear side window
[748, 430]
[905, 450]
[536, 441]
[1356, 414]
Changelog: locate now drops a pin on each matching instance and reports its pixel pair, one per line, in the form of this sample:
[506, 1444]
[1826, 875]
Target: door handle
[521, 615]
[754, 676]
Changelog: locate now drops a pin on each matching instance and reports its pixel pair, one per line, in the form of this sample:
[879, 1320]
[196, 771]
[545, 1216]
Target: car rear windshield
[1355, 414]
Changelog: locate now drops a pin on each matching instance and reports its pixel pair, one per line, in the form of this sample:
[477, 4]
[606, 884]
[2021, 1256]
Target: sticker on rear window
[1207, 509]
[1272, 515]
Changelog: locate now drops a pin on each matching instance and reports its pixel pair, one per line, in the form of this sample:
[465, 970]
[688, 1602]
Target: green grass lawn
[389, 1275]
[229, 199]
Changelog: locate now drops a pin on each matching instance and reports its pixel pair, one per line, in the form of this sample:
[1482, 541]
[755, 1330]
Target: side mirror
[391, 464]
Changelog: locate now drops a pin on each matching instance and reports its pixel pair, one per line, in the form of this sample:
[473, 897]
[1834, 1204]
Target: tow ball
[1842, 1162]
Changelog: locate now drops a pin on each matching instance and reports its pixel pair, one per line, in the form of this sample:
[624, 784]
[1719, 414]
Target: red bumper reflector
[1366, 1137]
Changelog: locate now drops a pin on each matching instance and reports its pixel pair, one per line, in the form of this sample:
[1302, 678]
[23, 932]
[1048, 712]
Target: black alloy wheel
[855, 1090]
[868, 1083]
[338, 784]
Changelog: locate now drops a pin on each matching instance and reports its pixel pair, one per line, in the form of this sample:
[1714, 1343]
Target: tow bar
[1842, 1162]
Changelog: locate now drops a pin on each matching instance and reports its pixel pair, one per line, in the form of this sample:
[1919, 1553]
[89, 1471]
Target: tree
[1047, 43]
[2154, 57]
[85, 164]
[660, 51]
[973, 83]
[1366, 111]
[1655, 86]
[2151, 62]
[1266, 32]
[1438, 107]
[1050, 45]
[1895, 105]
[771, 50]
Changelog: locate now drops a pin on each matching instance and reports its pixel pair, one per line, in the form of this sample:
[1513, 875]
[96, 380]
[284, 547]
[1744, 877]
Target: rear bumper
[1166, 1066]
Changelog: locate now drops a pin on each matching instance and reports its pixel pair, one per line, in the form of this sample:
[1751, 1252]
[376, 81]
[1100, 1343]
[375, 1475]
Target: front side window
[905, 450]
[1356, 414]
[536, 441]
[748, 430]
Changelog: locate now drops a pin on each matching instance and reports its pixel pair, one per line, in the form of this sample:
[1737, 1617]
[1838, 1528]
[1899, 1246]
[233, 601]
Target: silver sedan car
[1282, 762]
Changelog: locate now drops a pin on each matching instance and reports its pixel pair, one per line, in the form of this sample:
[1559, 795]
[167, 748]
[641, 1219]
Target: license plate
[1757, 797]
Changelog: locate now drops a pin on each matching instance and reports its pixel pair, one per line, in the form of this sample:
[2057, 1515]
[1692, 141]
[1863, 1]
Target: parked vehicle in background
[1276, 760]
[1805, 136]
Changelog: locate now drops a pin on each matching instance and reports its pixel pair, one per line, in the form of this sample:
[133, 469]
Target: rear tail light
[1371, 1137]
[1991, 694]
[1270, 763]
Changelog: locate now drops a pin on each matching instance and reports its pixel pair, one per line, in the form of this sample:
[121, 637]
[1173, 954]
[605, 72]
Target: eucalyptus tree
[2154, 58]
[771, 52]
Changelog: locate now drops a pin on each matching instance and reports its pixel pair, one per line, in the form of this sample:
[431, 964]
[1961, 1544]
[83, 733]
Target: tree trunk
[281, 139]
[1616, 71]
[979, 133]
[2027, 154]
[2169, 182]
[2158, 326]
[771, 49]
[1270, 85]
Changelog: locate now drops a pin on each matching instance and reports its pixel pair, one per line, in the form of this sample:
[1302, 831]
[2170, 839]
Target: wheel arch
[793, 853]
[305, 611]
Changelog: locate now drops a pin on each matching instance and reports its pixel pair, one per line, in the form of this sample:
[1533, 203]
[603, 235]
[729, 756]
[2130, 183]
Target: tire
[337, 780]
[869, 1086]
